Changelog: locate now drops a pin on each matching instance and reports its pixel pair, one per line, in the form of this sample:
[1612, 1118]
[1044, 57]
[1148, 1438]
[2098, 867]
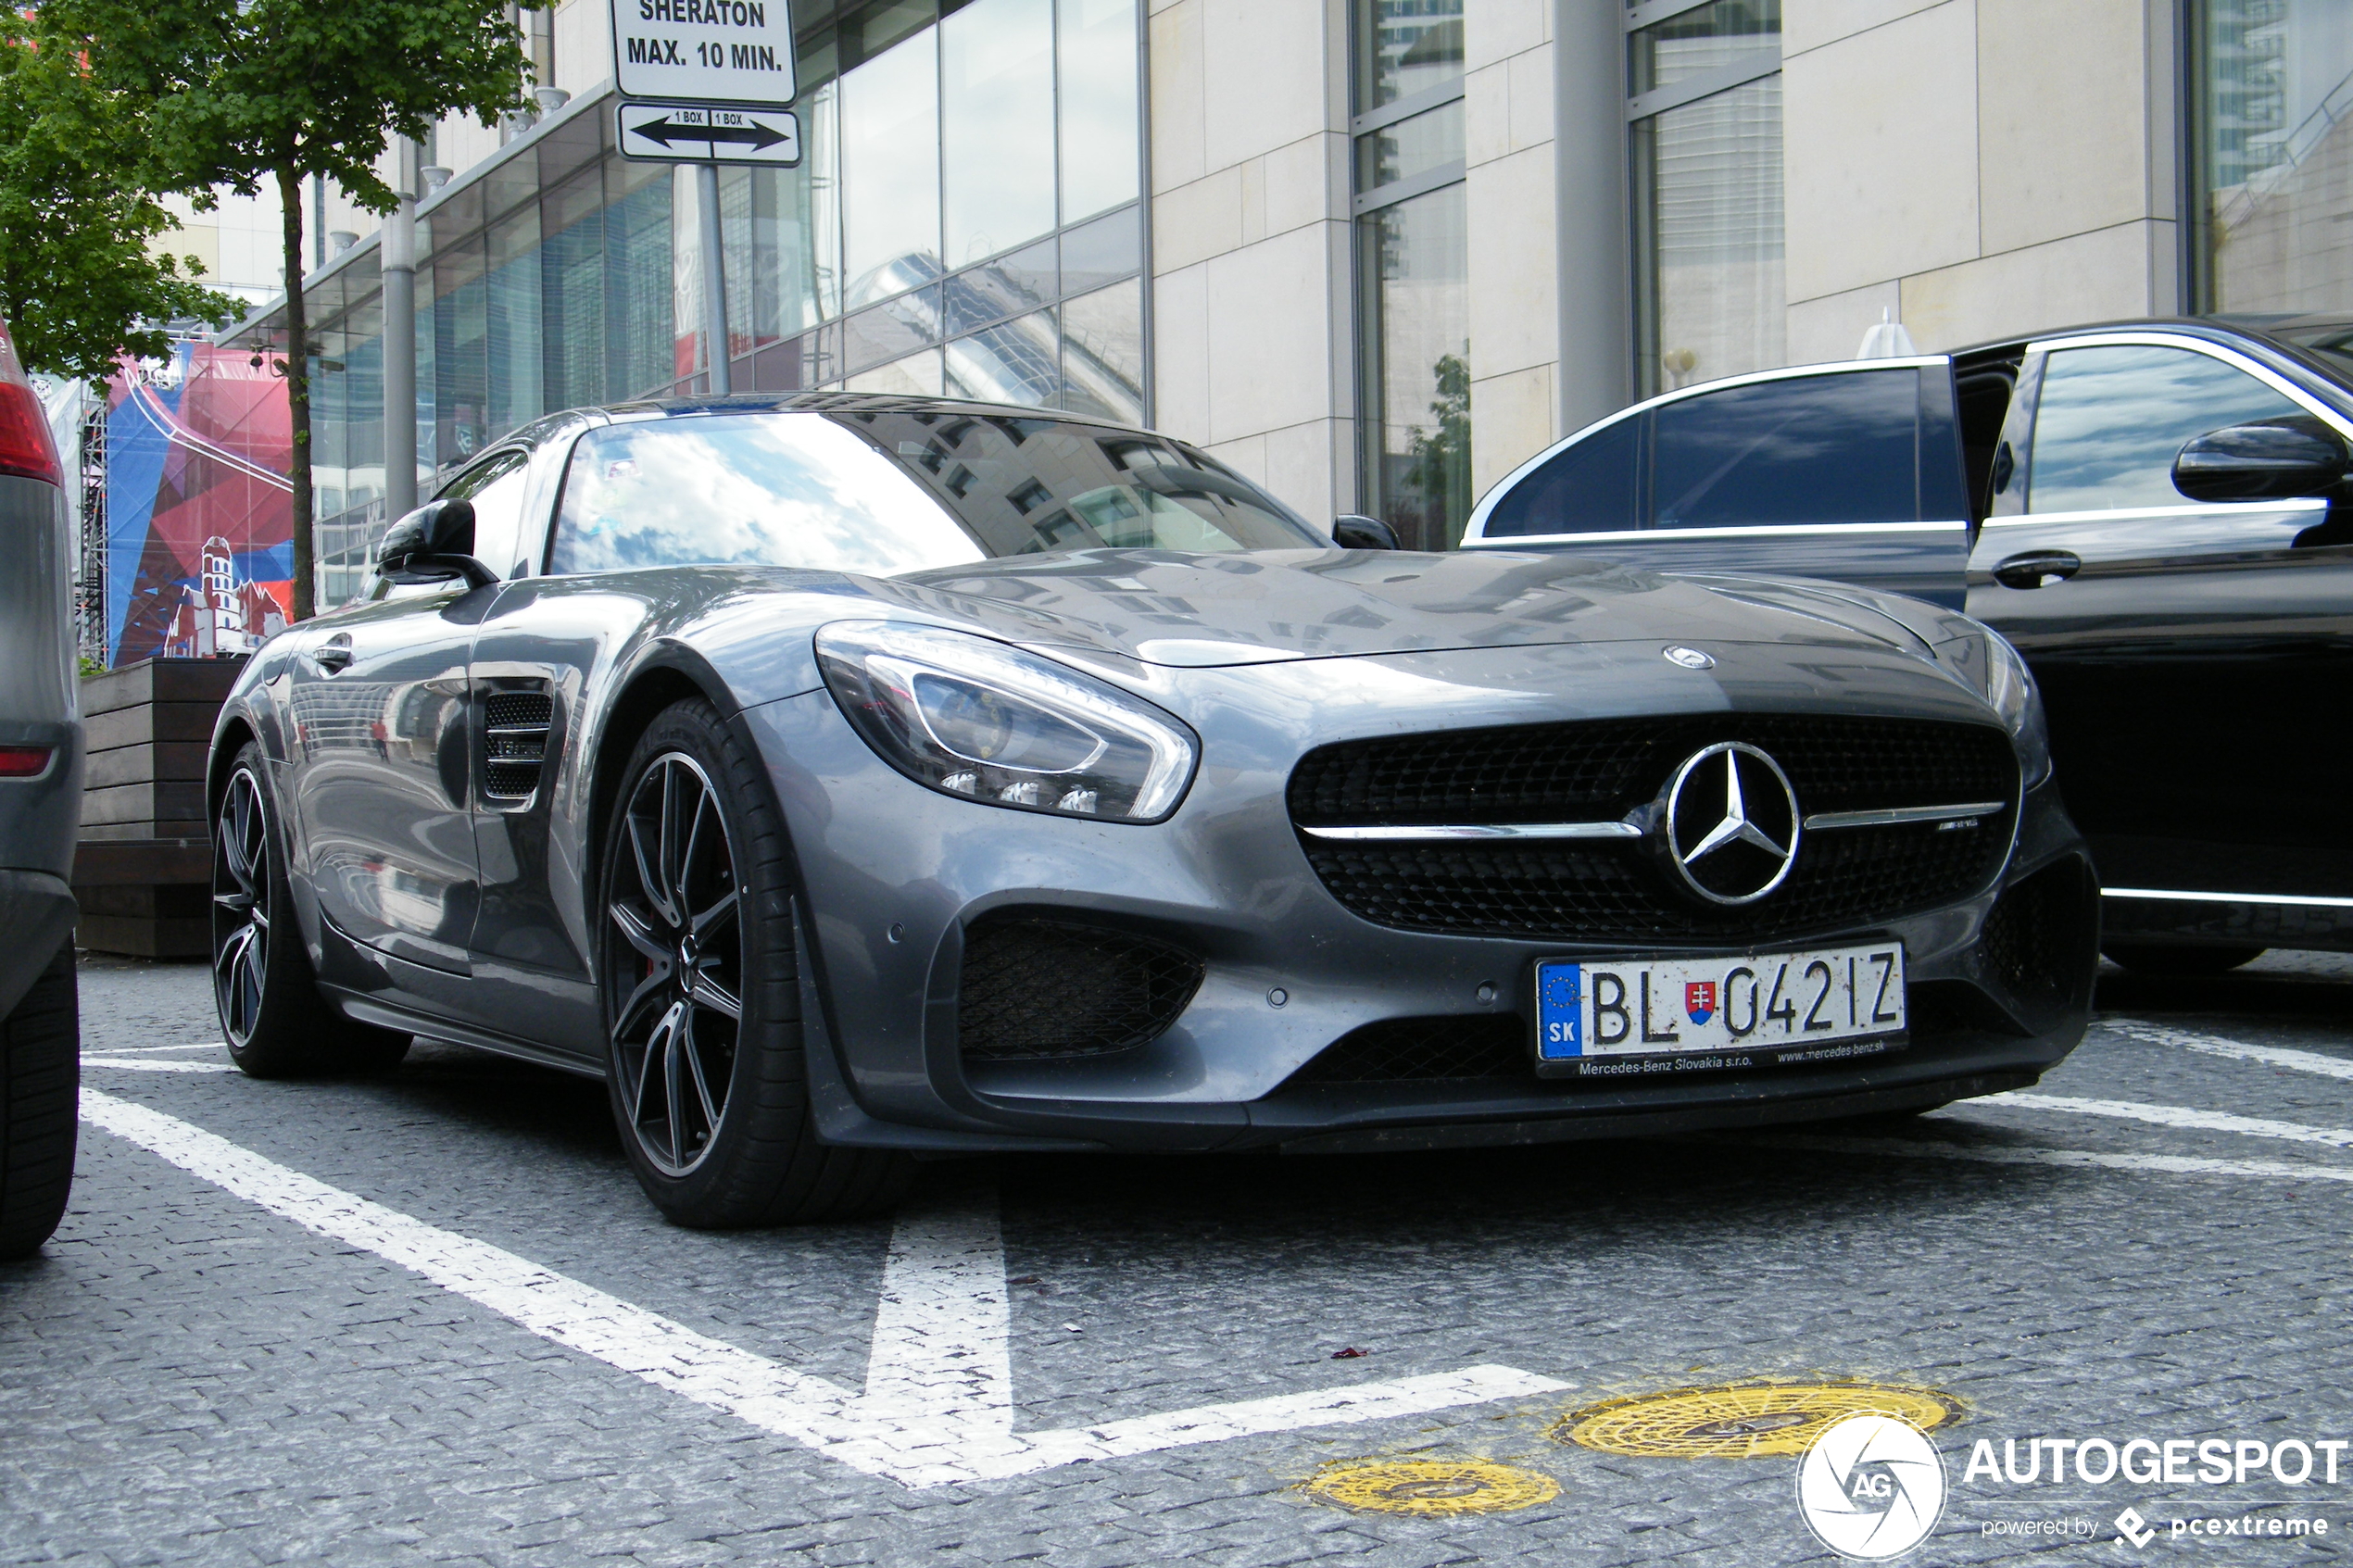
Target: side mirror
[1351, 532]
[433, 543]
[2269, 460]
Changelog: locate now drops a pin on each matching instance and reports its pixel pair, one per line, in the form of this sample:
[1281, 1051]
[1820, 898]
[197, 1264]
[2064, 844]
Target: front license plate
[1588, 1009]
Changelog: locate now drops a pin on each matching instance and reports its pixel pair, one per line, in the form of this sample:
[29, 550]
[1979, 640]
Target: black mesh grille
[2038, 941]
[1482, 1046]
[1618, 890]
[515, 742]
[1604, 767]
[1033, 989]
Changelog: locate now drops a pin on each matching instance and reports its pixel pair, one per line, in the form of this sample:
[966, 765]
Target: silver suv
[40, 812]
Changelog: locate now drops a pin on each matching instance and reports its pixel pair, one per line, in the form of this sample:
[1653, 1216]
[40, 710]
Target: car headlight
[2009, 687]
[973, 718]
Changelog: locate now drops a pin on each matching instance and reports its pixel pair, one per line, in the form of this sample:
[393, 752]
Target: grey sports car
[842, 777]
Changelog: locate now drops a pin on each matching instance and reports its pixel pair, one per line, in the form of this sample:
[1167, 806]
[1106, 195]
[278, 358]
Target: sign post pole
[714, 277]
[707, 82]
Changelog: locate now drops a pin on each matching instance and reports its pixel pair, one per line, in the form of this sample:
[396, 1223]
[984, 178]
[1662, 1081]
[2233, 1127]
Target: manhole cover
[1742, 1421]
[1432, 1487]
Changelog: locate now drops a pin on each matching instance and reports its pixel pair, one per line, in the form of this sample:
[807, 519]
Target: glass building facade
[965, 221]
[1703, 111]
[1412, 265]
[2270, 156]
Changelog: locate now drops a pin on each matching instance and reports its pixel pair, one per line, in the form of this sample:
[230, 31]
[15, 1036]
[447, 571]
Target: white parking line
[142, 1064]
[2215, 1045]
[150, 1050]
[1992, 1154]
[2177, 1116]
[930, 1414]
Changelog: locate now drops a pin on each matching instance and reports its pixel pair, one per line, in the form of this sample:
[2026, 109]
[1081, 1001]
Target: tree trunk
[297, 388]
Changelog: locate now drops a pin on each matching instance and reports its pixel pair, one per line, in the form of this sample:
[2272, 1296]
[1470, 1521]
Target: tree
[247, 92]
[82, 284]
[1441, 467]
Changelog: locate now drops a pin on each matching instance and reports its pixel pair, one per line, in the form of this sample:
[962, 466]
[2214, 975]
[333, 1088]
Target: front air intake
[1038, 989]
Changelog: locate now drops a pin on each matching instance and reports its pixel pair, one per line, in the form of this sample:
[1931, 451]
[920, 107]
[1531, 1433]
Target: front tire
[701, 992]
[40, 1080]
[272, 1017]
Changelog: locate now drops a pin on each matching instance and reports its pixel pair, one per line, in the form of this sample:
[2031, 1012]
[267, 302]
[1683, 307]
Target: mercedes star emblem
[1731, 823]
[1690, 659]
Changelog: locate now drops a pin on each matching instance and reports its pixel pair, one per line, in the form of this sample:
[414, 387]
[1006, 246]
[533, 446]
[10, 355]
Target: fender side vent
[515, 728]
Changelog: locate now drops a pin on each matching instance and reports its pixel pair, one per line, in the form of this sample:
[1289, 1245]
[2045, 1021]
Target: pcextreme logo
[1871, 1486]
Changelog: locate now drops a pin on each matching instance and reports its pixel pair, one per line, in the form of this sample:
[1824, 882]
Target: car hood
[1186, 611]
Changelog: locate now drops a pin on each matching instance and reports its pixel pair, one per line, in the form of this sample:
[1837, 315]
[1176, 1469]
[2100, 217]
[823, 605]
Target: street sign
[709, 133]
[704, 51]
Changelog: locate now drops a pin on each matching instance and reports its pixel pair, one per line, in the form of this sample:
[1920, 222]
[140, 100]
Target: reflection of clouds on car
[796, 491]
[2109, 421]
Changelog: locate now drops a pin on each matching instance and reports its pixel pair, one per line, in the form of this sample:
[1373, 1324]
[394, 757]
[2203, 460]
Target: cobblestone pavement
[2152, 1245]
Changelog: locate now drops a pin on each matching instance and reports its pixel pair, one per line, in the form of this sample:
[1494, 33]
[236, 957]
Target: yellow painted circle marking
[1742, 1421]
[1433, 1487]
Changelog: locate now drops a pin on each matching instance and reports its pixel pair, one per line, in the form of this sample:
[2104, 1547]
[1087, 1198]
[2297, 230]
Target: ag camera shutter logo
[1871, 1486]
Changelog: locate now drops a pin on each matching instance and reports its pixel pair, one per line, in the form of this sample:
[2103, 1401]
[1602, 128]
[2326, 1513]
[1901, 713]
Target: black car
[2155, 513]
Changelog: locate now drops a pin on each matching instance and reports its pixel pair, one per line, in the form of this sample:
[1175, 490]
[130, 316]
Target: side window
[1588, 488]
[496, 489]
[2111, 421]
[1811, 449]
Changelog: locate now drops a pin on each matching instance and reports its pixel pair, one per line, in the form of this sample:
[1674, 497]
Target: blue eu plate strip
[1559, 1010]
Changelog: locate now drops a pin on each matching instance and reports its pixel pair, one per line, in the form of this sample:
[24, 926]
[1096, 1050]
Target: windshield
[769, 489]
[816, 489]
[1027, 484]
[2331, 342]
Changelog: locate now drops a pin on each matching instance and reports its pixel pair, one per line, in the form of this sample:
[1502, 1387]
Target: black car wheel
[272, 1017]
[2178, 960]
[40, 1080]
[701, 994]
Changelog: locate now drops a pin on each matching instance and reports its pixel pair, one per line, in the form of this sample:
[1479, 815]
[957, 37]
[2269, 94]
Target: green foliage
[241, 92]
[81, 282]
[1441, 465]
[248, 93]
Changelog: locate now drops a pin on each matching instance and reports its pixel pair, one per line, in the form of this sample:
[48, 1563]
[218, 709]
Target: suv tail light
[25, 446]
[23, 762]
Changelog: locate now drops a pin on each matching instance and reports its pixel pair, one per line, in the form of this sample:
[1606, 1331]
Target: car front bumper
[896, 875]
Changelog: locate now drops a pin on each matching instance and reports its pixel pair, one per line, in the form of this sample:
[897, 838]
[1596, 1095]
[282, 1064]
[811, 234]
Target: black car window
[1588, 488]
[1819, 449]
[1030, 485]
[769, 489]
[2110, 420]
[496, 489]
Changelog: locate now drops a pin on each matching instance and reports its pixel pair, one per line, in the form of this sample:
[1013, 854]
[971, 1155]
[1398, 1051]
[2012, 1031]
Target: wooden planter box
[142, 871]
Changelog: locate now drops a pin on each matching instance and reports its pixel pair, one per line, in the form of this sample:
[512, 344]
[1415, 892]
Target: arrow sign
[681, 134]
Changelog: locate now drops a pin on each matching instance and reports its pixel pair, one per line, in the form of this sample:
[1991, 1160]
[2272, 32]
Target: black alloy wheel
[272, 1017]
[240, 907]
[675, 903]
[702, 989]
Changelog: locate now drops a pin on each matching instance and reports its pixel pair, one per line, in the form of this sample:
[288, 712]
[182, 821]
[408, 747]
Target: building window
[1412, 269]
[1704, 108]
[2271, 155]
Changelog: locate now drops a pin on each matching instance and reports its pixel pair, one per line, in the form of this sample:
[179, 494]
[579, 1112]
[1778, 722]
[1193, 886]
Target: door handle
[333, 654]
[2038, 569]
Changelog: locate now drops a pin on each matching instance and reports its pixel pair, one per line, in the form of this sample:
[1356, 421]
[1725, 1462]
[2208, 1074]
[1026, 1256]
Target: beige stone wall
[1250, 240]
[1509, 202]
[1975, 168]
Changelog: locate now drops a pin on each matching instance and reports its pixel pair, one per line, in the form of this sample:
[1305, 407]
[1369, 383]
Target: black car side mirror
[433, 543]
[2268, 460]
[1351, 532]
